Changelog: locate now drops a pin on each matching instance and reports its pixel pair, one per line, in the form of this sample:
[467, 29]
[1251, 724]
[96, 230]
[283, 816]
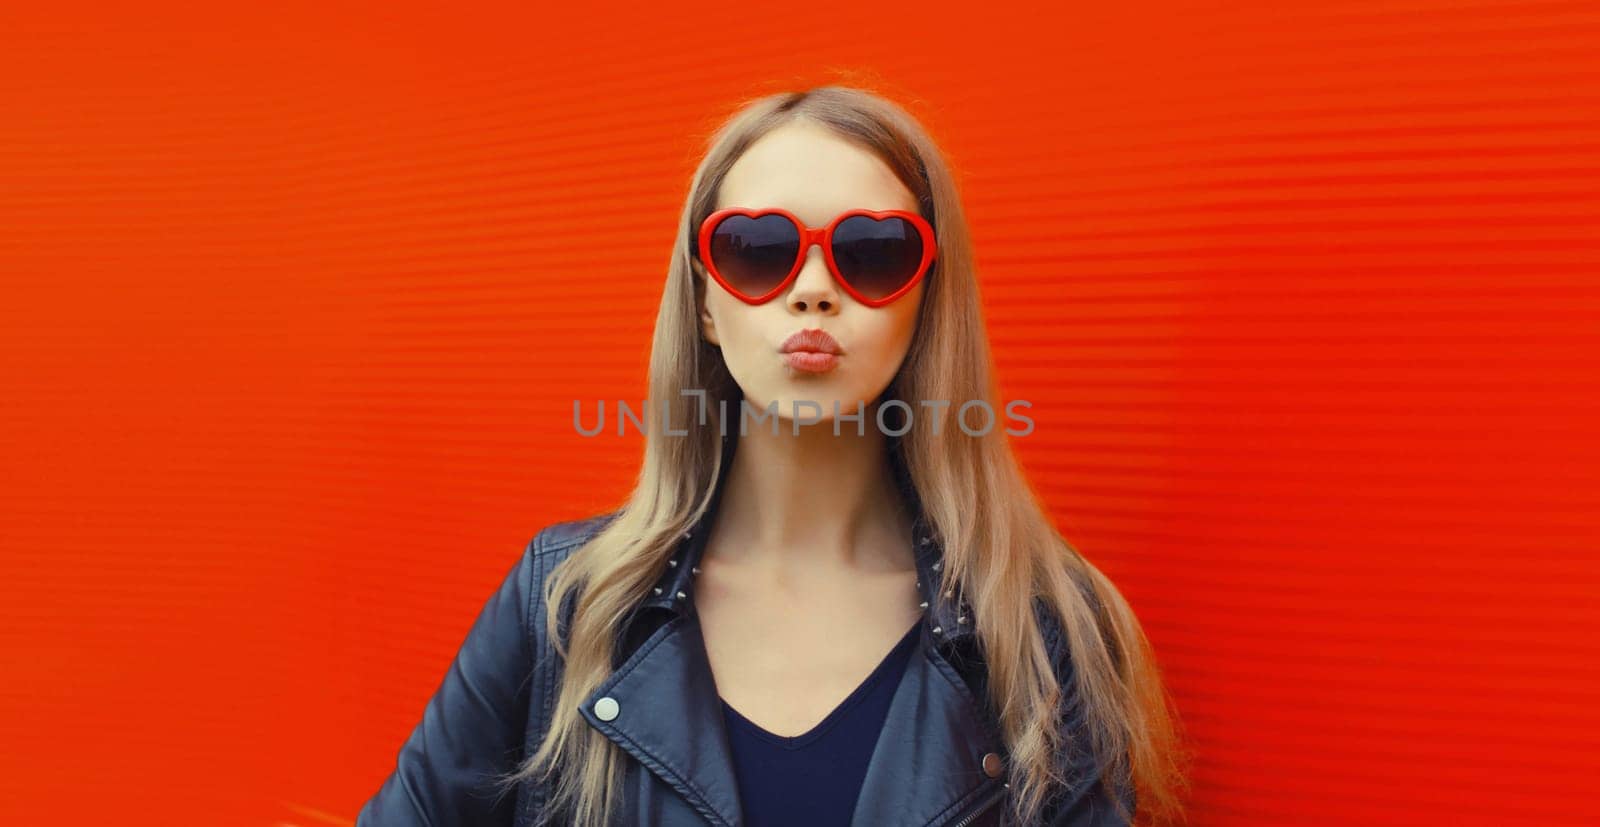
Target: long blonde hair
[1001, 548]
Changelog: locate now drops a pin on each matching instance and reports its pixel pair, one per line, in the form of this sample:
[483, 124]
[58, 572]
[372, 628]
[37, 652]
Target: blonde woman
[832, 597]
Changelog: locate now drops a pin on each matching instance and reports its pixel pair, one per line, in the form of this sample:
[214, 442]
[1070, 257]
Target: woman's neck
[796, 502]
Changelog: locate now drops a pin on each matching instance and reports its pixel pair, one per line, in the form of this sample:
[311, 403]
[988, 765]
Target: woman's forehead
[814, 174]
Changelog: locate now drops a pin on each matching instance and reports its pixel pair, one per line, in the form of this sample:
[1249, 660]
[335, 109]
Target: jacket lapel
[667, 714]
[928, 764]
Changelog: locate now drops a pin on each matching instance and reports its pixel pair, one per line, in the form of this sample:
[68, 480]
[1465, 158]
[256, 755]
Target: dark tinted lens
[877, 257]
[755, 254]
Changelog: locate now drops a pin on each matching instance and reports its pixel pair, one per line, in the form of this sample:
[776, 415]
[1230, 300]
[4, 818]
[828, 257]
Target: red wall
[296, 302]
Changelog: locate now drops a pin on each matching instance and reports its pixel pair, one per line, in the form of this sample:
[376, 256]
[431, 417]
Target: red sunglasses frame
[818, 235]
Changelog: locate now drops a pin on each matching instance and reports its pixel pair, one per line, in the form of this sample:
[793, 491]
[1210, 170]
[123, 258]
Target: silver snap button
[606, 708]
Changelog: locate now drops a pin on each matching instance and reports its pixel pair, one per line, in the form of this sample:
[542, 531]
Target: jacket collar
[662, 706]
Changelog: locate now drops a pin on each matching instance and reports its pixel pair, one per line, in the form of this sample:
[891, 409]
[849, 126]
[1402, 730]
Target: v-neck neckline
[821, 728]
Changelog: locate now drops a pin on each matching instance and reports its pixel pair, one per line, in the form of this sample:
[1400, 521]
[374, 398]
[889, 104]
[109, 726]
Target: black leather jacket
[939, 762]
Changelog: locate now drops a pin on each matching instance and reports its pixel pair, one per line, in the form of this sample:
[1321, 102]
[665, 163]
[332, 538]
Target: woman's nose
[814, 288]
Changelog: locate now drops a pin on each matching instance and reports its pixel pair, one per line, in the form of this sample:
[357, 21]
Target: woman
[854, 612]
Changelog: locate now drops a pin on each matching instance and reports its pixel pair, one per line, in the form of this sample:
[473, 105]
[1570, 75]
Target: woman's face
[815, 174]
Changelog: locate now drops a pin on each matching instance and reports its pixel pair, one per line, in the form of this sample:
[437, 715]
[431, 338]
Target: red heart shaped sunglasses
[877, 256]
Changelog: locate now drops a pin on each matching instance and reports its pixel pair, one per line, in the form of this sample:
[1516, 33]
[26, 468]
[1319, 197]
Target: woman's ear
[708, 325]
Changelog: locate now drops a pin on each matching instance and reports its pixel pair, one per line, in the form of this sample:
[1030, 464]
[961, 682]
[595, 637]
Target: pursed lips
[811, 350]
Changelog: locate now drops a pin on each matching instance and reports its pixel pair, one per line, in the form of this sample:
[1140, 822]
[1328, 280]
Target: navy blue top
[814, 778]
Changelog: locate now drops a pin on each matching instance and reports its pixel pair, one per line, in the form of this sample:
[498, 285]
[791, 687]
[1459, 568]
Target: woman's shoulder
[558, 538]
[551, 545]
